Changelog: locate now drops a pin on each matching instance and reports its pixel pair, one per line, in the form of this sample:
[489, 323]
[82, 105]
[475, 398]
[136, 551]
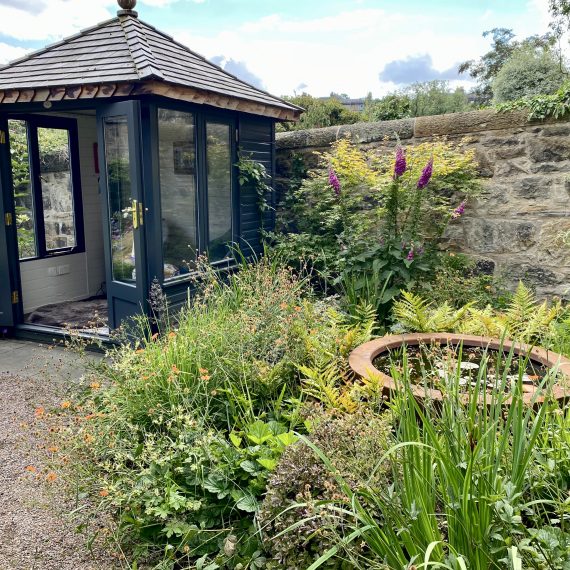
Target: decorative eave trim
[108, 90]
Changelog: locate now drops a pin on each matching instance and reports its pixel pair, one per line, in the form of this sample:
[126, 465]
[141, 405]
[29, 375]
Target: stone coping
[434, 125]
[361, 359]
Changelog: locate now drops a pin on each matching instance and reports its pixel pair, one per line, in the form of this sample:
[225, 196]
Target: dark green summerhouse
[118, 151]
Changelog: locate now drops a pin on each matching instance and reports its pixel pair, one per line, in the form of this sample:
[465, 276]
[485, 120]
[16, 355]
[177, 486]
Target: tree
[321, 113]
[528, 72]
[435, 98]
[486, 68]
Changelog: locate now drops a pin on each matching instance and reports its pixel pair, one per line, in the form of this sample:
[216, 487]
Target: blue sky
[288, 46]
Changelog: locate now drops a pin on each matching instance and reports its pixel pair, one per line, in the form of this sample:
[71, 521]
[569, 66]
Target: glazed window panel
[56, 188]
[121, 213]
[23, 191]
[219, 184]
[177, 163]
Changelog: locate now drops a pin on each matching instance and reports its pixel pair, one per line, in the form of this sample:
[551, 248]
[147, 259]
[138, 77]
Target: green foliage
[435, 98]
[527, 73]
[458, 280]
[319, 113]
[503, 46]
[193, 422]
[542, 107]
[524, 318]
[252, 175]
[349, 440]
[468, 484]
[389, 107]
[375, 235]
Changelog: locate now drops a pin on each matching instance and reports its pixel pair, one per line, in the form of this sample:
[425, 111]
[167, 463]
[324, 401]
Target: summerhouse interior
[62, 291]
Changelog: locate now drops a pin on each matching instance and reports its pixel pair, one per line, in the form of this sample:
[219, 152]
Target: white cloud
[342, 53]
[10, 53]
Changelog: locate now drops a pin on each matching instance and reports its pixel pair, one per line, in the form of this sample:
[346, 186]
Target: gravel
[36, 531]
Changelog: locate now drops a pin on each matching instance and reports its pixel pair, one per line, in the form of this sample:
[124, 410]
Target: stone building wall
[516, 228]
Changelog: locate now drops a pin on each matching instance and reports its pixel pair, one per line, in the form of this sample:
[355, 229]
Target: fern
[321, 384]
[416, 314]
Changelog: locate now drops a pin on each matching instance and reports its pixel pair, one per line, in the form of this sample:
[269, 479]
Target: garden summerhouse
[118, 151]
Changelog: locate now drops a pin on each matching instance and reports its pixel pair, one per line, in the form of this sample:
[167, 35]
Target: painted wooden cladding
[256, 141]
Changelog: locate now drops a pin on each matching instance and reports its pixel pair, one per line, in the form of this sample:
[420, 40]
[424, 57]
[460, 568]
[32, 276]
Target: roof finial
[127, 8]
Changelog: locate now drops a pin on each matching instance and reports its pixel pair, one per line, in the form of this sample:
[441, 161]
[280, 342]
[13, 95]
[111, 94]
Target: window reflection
[177, 157]
[219, 159]
[119, 194]
[57, 189]
[23, 195]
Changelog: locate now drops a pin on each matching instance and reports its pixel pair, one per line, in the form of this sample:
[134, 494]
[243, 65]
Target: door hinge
[8, 218]
[2, 137]
[237, 135]
[15, 297]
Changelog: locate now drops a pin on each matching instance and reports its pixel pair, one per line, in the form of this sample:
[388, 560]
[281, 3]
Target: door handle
[135, 212]
[141, 214]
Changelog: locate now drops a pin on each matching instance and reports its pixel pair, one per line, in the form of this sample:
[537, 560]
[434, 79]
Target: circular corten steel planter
[361, 359]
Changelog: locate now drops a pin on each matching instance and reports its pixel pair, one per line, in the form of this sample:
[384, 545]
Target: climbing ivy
[542, 107]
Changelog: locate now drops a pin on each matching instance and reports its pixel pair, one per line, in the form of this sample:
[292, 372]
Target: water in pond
[436, 364]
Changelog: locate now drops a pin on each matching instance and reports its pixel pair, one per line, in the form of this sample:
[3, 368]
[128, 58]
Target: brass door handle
[135, 212]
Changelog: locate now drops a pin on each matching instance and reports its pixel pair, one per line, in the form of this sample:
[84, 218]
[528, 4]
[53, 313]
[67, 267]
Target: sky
[292, 46]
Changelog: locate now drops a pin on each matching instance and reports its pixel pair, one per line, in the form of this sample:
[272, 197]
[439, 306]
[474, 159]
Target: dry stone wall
[516, 228]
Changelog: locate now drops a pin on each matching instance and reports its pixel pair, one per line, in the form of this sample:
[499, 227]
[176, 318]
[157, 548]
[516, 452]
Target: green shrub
[527, 73]
[301, 482]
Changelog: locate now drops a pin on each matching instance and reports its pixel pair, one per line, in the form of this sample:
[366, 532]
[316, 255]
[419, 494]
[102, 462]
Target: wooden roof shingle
[127, 51]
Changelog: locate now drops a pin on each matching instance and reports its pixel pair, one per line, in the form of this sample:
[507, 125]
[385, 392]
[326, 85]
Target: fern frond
[413, 312]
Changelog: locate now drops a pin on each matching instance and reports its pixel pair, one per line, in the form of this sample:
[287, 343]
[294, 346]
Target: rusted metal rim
[361, 359]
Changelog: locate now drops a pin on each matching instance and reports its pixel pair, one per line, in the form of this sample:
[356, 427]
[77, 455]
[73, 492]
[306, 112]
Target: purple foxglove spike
[410, 256]
[334, 181]
[426, 174]
[400, 164]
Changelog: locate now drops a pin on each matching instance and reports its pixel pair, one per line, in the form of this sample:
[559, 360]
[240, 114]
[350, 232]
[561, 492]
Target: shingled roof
[126, 56]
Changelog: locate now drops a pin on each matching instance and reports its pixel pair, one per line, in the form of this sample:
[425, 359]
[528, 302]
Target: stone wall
[516, 227]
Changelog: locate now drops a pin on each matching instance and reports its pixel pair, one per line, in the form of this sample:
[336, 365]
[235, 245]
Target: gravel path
[35, 532]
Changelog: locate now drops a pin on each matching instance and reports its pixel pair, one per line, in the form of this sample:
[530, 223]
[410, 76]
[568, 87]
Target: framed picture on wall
[184, 157]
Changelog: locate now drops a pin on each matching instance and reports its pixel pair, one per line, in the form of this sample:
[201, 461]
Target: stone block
[472, 121]
[555, 149]
[499, 236]
[532, 187]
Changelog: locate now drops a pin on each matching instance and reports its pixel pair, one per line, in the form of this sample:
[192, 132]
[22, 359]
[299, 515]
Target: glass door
[123, 210]
[10, 302]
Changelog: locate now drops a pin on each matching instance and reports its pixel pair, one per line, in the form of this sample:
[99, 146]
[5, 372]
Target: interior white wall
[80, 275]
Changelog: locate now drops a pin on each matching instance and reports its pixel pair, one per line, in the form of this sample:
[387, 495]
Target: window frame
[201, 118]
[33, 122]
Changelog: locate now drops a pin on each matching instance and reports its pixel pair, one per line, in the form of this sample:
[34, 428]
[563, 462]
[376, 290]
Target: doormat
[86, 314]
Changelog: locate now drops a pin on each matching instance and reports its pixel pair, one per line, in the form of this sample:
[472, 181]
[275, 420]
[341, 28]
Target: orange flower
[203, 371]
[66, 404]
[39, 412]
[88, 438]
[171, 335]
[31, 469]
[53, 448]
[298, 309]
[283, 306]
[51, 477]
[139, 351]
[175, 369]
[95, 385]
[103, 493]
[204, 377]
[154, 336]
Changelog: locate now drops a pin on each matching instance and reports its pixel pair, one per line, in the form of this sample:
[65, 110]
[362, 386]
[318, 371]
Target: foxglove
[426, 174]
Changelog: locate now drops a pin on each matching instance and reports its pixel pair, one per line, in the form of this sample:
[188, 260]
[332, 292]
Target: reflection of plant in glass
[23, 199]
